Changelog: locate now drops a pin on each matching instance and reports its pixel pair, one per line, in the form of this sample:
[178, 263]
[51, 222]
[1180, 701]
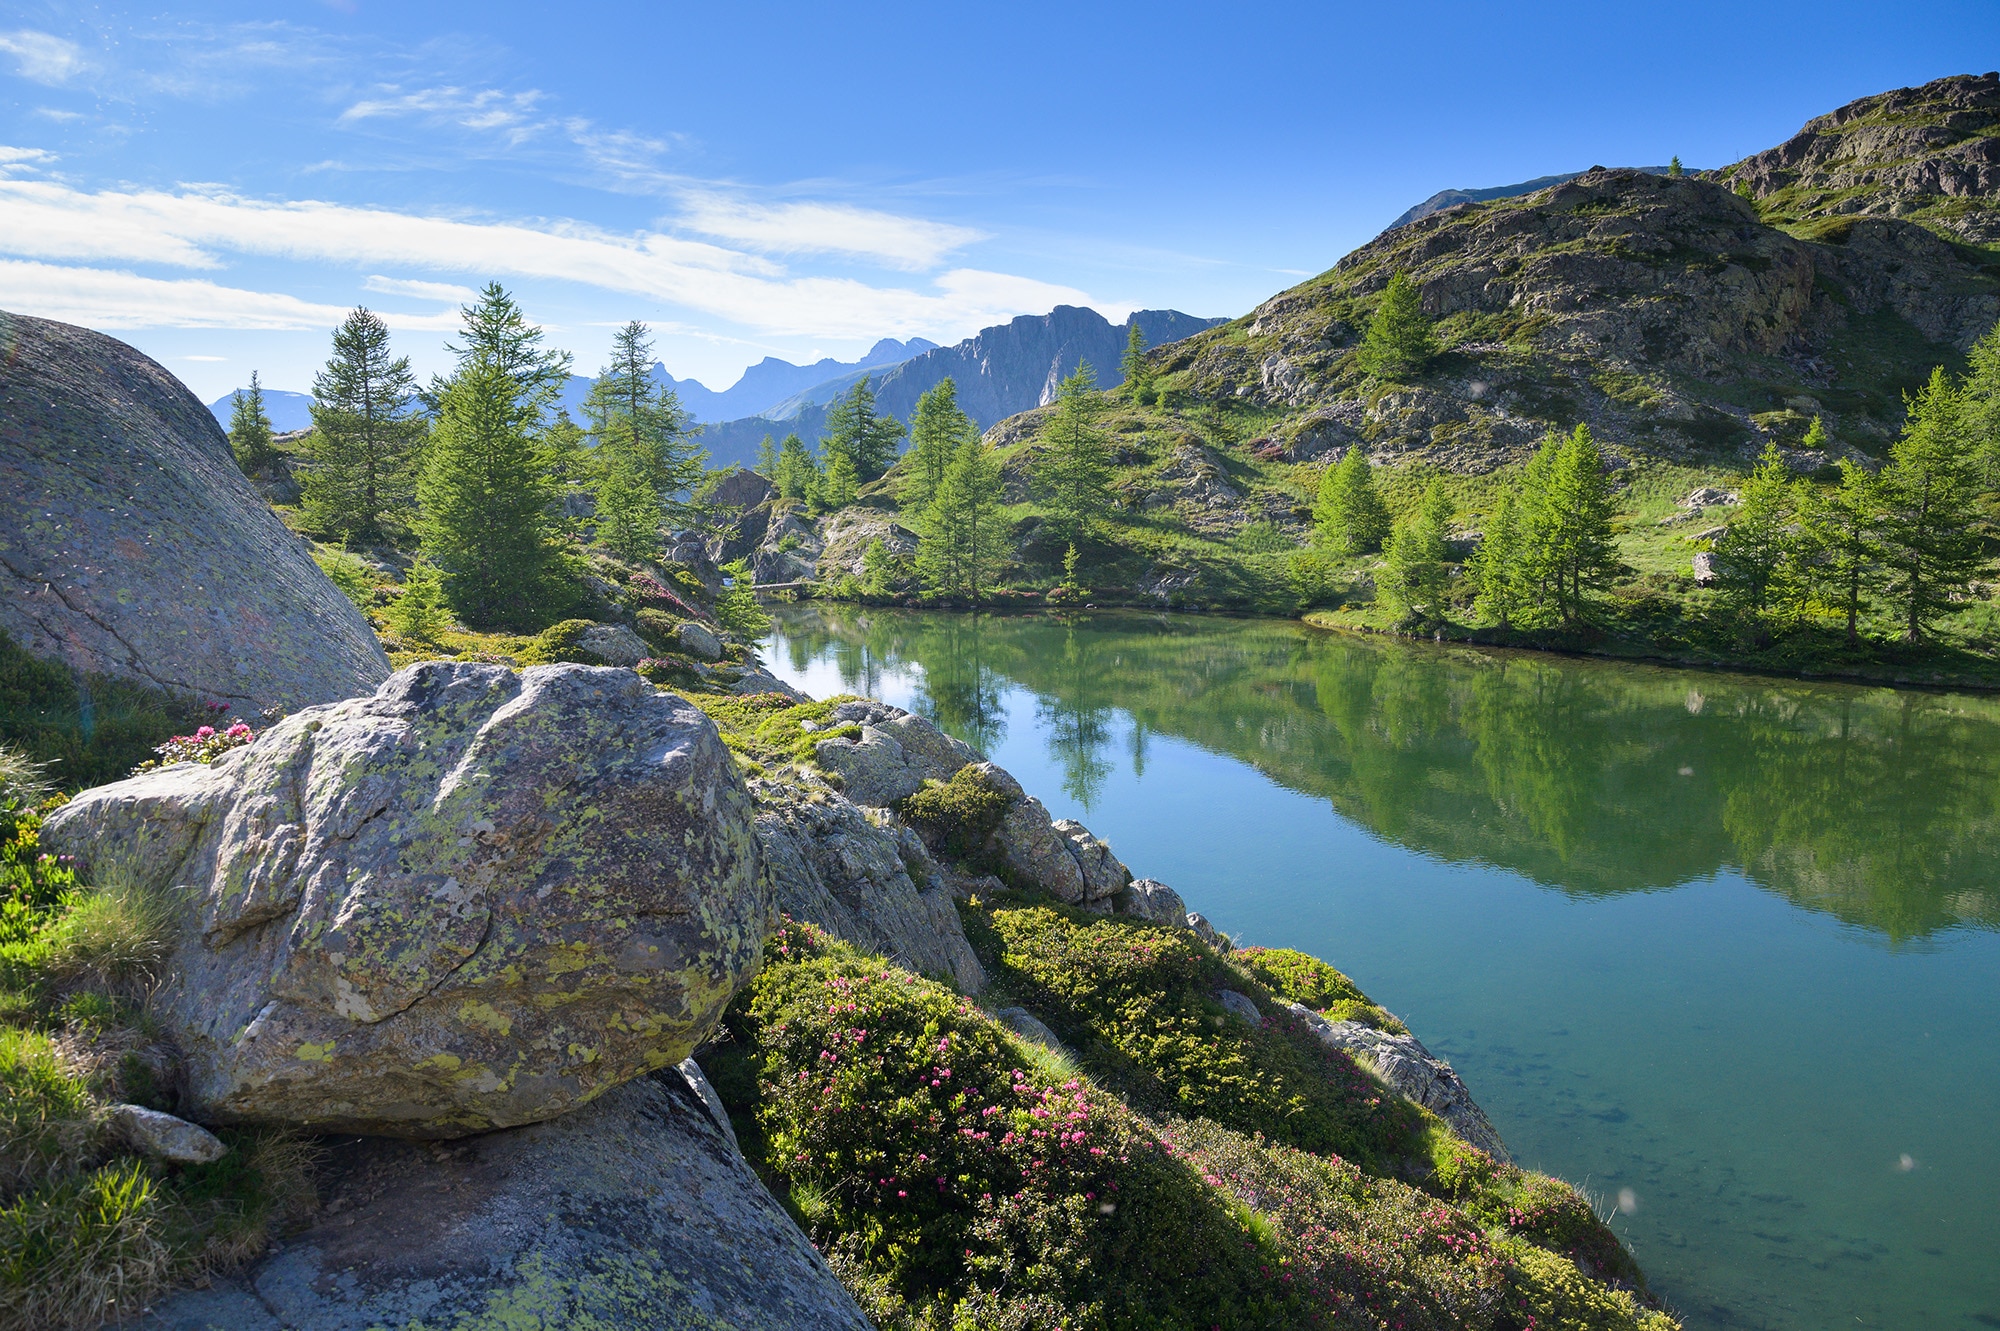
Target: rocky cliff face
[130, 543]
[1929, 154]
[1665, 311]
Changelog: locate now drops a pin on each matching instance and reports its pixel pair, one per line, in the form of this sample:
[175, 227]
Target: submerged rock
[1413, 1071]
[131, 544]
[473, 900]
[635, 1211]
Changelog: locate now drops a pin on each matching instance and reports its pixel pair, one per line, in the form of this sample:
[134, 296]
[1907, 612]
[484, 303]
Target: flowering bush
[1303, 978]
[205, 745]
[1139, 1002]
[978, 1183]
[650, 592]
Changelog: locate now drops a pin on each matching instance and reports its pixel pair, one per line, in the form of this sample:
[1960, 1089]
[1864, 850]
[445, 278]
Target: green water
[1723, 950]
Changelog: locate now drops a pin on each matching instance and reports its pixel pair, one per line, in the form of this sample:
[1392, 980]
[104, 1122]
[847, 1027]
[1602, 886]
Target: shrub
[349, 573]
[650, 593]
[205, 745]
[736, 609]
[1137, 1003]
[656, 627]
[1306, 979]
[959, 814]
[419, 613]
[560, 642]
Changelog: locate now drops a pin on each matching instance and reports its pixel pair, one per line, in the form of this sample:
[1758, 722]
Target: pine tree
[1567, 534]
[1982, 403]
[1674, 167]
[937, 430]
[644, 439]
[853, 427]
[1349, 517]
[1497, 567]
[250, 429]
[960, 529]
[1842, 550]
[419, 615]
[767, 458]
[1135, 374]
[1399, 341]
[1753, 554]
[797, 473]
[629, 516]
[364, 439]
[736, 607]
[1072, 476]
[1930, 489]
[483, 496]
[1815, 437]
[1417, 577]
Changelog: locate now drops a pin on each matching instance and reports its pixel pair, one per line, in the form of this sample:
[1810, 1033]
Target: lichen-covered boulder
[635, 1212]
[872, 770]
[1104, 874]
[1151, 900]
[696, 640]
[1028, 845]
[471, 900]
[131, 544]
[613, 644]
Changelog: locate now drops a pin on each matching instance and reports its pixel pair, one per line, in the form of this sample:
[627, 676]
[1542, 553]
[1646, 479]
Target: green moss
[560, 642]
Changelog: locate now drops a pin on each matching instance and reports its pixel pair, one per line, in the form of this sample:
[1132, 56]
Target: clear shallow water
[1728, 945]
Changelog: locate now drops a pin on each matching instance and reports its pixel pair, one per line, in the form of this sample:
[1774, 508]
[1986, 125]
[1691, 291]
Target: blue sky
[216, 185]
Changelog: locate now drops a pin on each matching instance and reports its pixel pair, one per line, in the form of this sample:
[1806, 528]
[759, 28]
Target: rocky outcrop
[896, 753]
[472, 900]
[1153, 901]
[132, 545]
[1930, 154]
[863, 876]
[613, 644]
[1412, 1071]
[635, 1211]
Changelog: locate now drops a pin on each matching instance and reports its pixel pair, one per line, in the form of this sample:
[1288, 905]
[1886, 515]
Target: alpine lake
[1723, 950]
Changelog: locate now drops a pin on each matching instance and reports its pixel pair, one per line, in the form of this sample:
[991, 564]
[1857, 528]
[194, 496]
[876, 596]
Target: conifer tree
[629, 515]
[1497, 567]
[1840, 532]
[797, 473]
[1568, 529]
[1136, 374]
[1417, 577]
[1815, 437]
[867, 438]
[960, 529]
[1931, 541]
[250, 429]
[736, 607]
[937, 430]
[1399, 341]
[364, 438]
[767, 458]
[419, 614]
[483, 495]
[1349, 517]
[1981, 407]
[1753, 555]
[838, 483]
[1674, 167]
[1072, 476]
[644, 439]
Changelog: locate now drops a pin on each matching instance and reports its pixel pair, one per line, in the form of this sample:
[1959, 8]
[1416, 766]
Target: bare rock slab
[634, 1212]
[165, 1137]
[132, 545]
[473, 900]
[1412, 1071]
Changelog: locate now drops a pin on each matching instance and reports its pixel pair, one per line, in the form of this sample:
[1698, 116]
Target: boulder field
[132, 545]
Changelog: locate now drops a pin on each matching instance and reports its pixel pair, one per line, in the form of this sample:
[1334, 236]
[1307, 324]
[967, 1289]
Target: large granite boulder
[472, 900]
[1028, 844]
[132, 545]
[635, 1211]
[865, 877]
[1412, 1071]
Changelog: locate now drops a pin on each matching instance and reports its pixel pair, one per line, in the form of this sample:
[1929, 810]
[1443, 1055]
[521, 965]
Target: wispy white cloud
[58, 115]
[825, 228]
[42, 57]
[15, 159]
[481, 109]
[449, 292]
[48, 220]
[103, 298]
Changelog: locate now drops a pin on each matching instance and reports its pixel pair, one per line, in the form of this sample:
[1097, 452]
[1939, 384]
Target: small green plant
[419, 614]
[561, 642]
[736, 609]
[1069, 591]
[961, 814]
[349, 573]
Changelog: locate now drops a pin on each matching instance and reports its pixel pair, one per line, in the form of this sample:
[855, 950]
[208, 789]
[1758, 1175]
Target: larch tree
[1497, 567]
[938, 428]
[1400, 341]
[250, 428]
[797, 473]
[1417, 578]
[855, 428]
[767, 458]
[1754, 556]
[645, 442]
[1568, 531]
[1842, 551]
[483, 495]
[365, 435]
[1349, 517]
[1135, 374]
[961, 529]
[1072, 474]
[1931, 543]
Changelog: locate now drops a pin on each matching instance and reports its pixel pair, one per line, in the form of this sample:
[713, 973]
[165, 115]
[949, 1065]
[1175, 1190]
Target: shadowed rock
[1413, 1071]
[472, 900]
[132, 545]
